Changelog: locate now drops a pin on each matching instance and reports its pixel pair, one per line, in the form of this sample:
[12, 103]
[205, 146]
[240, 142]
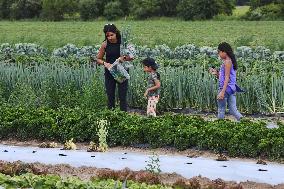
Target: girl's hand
[221, 95]
[107, 65]
[146, 93]
[213, 71]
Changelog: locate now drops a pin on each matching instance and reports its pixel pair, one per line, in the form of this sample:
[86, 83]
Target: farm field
[171, 32]
[52, 90]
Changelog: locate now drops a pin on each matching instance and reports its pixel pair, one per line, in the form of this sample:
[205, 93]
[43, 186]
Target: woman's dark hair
[225, 47]
[150, 62]
[112, 28]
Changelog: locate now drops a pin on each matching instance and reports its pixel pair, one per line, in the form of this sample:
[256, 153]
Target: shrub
[25, 9]
[5, 8]
[145, 9]
[258, 3]
[267, 12]
[168, 7]
[113, 10]
[89, 9]
[55, 9]
[203, 9]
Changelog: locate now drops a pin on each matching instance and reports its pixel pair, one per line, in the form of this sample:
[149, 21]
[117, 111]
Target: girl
[153, 90]
[111, 50]
[227, 82]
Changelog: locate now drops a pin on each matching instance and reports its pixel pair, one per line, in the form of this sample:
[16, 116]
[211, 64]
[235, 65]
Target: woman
[110, 48]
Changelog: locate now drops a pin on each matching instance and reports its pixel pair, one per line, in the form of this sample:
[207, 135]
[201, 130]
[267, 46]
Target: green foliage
[168, 7]
[185, 137]
[2, 97]
[113, 10]
[153, 165]
[21, 9]
[203, 9]
[258, 3]
[249, 139]
[5, 8]
[54, 10]
[93, 95]
[29, 180]
[102, 135]
[89, 9]
[242, 2]
[23, 95]
[73, 82]
[156, 32]
[267, 12]
[125, 6]
[127, 132]
[145, 9]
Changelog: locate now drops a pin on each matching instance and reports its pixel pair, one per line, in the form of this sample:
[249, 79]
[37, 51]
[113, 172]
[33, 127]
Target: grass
[240, 11]
[172, 32]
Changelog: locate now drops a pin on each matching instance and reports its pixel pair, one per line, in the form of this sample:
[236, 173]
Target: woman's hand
[107, 65]
[125, 58]
[221, 95]
[122, 58]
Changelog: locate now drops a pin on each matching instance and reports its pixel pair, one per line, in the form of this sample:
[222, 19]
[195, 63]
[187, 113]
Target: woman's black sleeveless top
[112, 52]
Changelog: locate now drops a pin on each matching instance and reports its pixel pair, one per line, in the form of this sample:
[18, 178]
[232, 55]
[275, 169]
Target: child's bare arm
[156, 86]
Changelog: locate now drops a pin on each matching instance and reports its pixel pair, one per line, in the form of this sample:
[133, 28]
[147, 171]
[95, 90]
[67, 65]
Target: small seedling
[153, 165]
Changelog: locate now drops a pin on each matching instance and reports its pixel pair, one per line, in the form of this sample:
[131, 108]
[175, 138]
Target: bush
[203, 9]
[242, 2]
[5, 8]
[258, 3]
[267, 12]
[145, 9]
[168, 7]
[249, 139]
[25, 9]
[113, 10]
[125, 6]
[89, 9]
[54, 10]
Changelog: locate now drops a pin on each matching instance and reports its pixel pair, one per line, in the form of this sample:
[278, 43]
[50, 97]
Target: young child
[153, 89]
[227, 82]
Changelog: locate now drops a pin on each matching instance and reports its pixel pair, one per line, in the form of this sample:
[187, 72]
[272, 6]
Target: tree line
[56, 10]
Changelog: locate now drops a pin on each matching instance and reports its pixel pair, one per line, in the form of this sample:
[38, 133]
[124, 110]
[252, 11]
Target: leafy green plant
[153, 165]
[102, 134]
[69, 145]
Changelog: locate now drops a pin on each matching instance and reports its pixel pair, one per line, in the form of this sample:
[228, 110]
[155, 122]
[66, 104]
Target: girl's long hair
[112, 28]
[225, 47]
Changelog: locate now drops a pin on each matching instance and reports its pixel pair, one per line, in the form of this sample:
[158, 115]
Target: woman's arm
[100, 56]
[228, 65]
